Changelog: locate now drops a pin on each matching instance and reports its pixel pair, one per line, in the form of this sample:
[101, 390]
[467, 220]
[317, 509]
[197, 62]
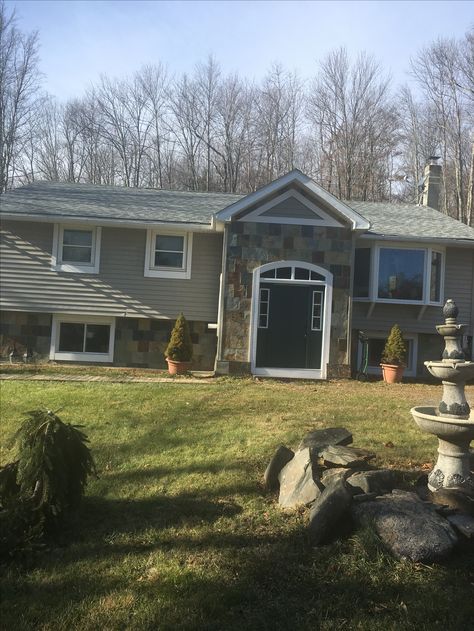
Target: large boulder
[408, 527]
[327, 512]
[320, 438]
[280, 458]
[297, 484]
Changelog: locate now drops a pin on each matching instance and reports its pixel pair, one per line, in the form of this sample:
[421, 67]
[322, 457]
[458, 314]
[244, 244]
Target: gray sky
[80, 40]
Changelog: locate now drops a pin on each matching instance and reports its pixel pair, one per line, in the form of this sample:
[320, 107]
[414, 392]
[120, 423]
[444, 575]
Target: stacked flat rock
[341, 487]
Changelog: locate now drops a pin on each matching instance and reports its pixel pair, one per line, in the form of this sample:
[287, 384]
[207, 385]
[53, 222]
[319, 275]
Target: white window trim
[58, 318]
[374, 274]
[151, 271]
[378, 335]
[76, 268]
[320, 293]
[295, 373]
[265, 301]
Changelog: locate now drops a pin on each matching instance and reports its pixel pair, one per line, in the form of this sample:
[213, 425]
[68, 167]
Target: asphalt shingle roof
[411, 221]
[61, 199]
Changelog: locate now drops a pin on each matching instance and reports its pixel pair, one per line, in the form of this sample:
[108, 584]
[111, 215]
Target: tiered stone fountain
[451, 421]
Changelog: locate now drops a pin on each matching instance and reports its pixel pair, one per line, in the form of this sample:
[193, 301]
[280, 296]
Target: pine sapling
[180, 347]
[394, 351]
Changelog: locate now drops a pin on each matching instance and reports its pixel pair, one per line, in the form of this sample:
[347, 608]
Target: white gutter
[113, 223]
[453, 241]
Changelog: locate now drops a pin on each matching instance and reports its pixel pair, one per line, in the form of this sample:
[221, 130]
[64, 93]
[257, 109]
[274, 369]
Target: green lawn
[177, 532]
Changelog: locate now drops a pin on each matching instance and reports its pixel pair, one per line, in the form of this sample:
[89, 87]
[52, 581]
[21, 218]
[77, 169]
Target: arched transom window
[289, 271]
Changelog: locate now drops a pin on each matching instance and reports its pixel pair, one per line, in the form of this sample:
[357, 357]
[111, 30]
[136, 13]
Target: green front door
[290, 326]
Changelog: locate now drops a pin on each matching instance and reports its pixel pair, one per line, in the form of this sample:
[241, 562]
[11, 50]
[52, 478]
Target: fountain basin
[428, 419]
[454, 371]
[451, 330]
[452, 469]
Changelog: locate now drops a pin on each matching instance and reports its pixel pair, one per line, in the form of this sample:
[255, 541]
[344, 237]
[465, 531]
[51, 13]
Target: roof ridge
[47, 183]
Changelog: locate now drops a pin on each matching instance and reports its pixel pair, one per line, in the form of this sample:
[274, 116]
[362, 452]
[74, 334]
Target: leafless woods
[347, 127]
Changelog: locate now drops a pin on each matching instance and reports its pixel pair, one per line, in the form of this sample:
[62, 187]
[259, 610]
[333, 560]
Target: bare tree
[355, 123]
[443, 72]
[154, 85]
[183, 125]
[19, 82]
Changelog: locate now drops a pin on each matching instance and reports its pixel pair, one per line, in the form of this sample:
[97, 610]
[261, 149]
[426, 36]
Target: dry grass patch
[178, 534]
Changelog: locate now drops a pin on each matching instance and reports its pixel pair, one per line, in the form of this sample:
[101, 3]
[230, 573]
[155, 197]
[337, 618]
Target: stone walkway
[199, 377]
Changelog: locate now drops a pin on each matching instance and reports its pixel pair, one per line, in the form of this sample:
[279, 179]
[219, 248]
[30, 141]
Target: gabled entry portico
[285, 287]
[291, 320]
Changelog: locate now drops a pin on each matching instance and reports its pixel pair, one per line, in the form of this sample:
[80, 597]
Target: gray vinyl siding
[290, 208]
[29, 284]
[459, 283]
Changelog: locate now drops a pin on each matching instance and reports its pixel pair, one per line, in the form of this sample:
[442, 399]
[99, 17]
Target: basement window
[85, 339]
[376, 345]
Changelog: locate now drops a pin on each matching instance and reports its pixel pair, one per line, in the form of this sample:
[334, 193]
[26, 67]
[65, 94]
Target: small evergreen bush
[46, 481]
[180, 347]
[395, 350]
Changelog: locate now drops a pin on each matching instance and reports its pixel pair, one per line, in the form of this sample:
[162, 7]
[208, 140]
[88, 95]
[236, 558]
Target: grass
[177, 532]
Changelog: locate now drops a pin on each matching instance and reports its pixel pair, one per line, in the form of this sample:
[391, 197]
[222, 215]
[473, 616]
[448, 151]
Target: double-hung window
[168, 254]
[82, 338]
[76, 249]
[392, 273]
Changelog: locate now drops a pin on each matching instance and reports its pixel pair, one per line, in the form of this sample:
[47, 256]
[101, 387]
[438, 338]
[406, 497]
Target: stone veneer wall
[251, 245]
[139, 342]
[21, 332]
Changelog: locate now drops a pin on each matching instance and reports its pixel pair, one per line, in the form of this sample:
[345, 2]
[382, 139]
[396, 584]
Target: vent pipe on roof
[430, 195]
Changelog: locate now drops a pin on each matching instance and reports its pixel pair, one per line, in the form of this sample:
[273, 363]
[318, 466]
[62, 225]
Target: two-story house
[276, 283]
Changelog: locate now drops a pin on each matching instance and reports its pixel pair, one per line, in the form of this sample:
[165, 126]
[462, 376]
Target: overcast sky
[80, 40]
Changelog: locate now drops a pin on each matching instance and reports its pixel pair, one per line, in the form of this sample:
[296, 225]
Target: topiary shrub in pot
[179, 351]
[393, 356]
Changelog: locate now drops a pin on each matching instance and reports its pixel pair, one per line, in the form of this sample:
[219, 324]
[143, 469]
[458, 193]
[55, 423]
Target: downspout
[472, 310]
[220, 309]
[349, 305]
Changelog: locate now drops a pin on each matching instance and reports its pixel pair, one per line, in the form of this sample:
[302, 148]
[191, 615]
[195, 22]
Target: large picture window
[399, 274]
[168, 255]
[79, 338]
[76, 249]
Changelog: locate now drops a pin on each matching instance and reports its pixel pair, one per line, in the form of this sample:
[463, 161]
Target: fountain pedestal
[450, 421]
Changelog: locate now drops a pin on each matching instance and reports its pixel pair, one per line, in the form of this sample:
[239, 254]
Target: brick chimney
[430, 195]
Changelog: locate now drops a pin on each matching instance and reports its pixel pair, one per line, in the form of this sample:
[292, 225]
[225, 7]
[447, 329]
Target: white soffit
[340, 209]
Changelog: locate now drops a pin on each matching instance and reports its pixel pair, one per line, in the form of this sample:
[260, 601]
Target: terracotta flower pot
[392, 373]
[177, 368]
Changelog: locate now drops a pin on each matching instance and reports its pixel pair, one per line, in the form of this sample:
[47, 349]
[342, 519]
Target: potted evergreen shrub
[179, 351]
[393, 356]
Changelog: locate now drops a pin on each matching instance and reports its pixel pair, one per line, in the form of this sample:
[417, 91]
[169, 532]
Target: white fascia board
[296, 177]
[453, 242]
[112, 223]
